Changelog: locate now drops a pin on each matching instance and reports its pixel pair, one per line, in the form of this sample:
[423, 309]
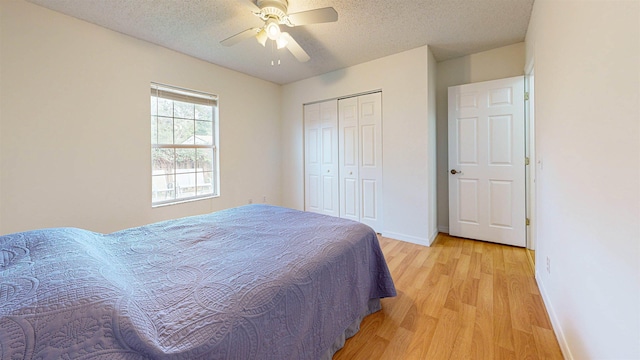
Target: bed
[253, 282]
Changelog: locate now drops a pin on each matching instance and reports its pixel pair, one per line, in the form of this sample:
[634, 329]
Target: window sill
[183, 201]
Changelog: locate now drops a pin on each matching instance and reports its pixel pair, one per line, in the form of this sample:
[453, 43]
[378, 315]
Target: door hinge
[528, 222]
[526, 160]
[526, 96]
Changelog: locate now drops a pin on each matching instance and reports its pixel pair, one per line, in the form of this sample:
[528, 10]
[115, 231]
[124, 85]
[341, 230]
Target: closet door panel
[349, 155]
[312, 151]
[321, 158]
[350, 193]
[369, 200]
[313, 188]
[370, 164]
[329, 166]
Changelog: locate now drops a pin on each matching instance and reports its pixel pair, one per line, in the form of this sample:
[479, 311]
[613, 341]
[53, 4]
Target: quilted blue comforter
[254, 282]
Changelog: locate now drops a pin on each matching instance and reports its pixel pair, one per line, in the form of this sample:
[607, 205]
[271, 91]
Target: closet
[343, 158]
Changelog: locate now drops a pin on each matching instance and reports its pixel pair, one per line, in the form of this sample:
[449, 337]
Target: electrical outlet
[264, 199]
[250, 201]
[548, 265]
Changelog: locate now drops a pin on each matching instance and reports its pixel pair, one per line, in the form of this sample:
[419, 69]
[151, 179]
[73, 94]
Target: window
[184, 155]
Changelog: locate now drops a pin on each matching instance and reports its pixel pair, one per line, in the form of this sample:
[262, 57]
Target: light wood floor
[458, 299]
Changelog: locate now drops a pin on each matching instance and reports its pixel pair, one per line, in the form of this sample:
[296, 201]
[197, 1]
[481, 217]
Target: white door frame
[531, 154]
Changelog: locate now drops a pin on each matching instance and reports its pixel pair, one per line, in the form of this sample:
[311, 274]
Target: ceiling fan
[274, 13]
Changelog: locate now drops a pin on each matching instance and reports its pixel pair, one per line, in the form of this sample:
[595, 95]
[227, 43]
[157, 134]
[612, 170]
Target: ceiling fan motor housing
[273, 9]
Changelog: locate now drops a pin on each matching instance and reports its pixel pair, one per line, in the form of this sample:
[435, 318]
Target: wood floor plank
[367, 350]
[464, 340]
[396, 264]
[368, 329]
[397, 345]
[461, 270]
[539, 316]
[411, 277]
[478, 246]
[504, 354]
[421, 339]
[420, 258]
[388, 246]
[532, 285]
[475, 265]
[421, 274]
[445, 254]
[454, 295]
[395, 315]
[502, 328]
[449, 325]
[519, 298]
[498, 257]
[482, 343]
[458, 299]
[411, 320]
[431, 300]
[470, 291]
[486, 265]
[525, 345]
[546, 343]
[467, 248]
[509, 254]
[434, 273]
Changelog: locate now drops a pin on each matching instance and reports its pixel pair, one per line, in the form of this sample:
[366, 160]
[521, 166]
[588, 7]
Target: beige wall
[504, 62]
[586, 56]
[75, 133]
[407, 176]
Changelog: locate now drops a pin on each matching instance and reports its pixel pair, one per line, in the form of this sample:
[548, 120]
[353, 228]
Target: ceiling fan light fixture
[273, 29]
[262, 37]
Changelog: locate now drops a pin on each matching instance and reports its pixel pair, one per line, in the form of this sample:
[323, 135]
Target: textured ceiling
[365, 30]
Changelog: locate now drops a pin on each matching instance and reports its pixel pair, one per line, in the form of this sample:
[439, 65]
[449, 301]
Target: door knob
[454, 171]
[328, 170]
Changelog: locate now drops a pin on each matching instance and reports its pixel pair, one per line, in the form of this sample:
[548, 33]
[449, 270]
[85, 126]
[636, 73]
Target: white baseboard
[443, 229]
[433, 236]
[407, 238]
[555, 323]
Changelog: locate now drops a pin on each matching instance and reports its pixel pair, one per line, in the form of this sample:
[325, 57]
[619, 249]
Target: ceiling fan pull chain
[275, 59]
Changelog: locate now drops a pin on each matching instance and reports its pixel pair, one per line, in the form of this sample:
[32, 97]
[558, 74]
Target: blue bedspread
[254, 282]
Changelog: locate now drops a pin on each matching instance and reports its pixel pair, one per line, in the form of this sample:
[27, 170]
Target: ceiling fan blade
[234, 39]
[296, 49]
[316, 16]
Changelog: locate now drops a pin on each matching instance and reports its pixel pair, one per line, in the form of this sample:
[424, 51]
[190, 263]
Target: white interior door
[487, 161]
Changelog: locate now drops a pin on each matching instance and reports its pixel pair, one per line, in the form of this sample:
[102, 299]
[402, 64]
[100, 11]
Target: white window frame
[199, 98]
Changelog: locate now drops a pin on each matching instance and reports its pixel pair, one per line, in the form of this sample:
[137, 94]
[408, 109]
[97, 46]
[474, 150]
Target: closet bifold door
[370, 171]
[360, 151]
[349, 159]
[321, 158]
